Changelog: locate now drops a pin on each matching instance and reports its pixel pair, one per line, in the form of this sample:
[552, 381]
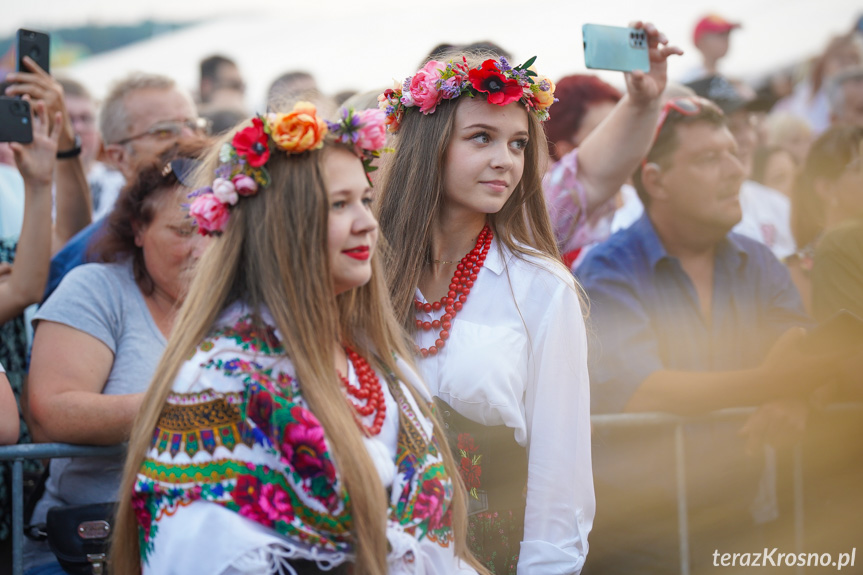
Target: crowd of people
[366, 332]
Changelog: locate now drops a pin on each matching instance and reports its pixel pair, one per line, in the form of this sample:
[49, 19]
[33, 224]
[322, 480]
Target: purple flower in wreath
[303, 446]
[429, 505]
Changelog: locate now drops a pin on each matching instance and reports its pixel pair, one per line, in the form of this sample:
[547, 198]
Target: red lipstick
[361, 253]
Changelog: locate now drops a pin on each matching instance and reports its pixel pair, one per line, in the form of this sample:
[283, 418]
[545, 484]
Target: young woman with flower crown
[500, 338]
[286, 430]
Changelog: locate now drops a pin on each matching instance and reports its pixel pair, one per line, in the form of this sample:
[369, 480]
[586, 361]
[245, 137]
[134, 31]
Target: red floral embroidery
[469, 465]
[264, 503]
[429, 503]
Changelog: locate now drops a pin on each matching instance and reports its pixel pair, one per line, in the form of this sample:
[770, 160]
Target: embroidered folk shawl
[236, 432]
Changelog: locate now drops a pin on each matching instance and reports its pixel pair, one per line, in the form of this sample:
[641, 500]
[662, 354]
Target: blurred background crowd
[132, 95]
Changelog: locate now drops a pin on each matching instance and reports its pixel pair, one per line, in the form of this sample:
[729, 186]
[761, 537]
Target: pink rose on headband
[225, 191]
[372, 134]
[209, 213]
[245, 185]
[424, 86]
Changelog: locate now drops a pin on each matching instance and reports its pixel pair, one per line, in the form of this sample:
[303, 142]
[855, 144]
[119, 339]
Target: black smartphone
[15, 121]
[843, 331]
[37, 45]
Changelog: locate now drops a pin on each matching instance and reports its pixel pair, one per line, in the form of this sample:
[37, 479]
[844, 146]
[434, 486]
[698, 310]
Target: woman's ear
[138, 230]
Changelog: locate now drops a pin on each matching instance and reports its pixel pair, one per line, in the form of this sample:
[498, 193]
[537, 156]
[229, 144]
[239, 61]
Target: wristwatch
[73, 152]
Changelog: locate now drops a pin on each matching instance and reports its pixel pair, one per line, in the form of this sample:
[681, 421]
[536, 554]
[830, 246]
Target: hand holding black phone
[15, 120]
[36, 45]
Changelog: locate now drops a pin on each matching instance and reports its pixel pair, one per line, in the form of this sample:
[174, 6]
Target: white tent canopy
[363, 46]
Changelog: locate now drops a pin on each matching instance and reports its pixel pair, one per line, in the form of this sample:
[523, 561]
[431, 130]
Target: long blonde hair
[412, 192]
[273, 254]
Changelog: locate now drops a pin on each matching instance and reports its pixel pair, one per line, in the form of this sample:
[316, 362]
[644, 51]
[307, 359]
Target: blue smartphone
[615, 48]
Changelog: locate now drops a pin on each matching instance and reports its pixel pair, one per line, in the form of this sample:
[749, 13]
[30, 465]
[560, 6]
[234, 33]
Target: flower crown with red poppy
[242, 161]
[501, 83]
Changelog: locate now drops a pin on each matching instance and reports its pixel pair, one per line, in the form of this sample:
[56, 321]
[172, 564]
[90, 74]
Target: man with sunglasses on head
[142, 117]
[690, 318]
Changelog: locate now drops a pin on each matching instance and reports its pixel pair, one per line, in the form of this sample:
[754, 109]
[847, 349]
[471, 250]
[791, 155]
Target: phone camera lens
[18, 108]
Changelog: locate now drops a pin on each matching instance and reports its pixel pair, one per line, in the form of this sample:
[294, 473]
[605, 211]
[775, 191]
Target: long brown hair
[412, 193]
[273, 254]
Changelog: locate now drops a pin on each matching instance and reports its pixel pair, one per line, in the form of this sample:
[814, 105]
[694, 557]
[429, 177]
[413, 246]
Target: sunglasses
[688, 106]
[184, 169]
[171, 129]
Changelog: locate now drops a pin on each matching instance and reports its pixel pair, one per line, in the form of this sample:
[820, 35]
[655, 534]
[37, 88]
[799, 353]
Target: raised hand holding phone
[36, 46]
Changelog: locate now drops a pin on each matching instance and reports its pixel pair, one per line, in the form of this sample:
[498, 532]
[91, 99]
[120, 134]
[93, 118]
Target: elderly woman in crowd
[99, 338]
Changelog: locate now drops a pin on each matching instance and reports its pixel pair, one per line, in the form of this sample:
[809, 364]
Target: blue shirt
[645, 313]
[73, 254]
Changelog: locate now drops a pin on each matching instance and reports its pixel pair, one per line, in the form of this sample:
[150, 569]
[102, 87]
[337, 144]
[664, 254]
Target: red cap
[713, 24]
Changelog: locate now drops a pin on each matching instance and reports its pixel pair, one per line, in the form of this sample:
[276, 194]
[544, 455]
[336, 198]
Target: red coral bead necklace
[370, 391]
[459, 288]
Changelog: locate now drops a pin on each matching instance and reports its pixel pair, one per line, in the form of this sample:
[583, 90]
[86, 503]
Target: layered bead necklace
[370, 391]
[459, 288]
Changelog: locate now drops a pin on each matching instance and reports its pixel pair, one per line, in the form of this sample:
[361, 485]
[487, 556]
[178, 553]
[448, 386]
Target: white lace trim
[276, 557]
[405, 557]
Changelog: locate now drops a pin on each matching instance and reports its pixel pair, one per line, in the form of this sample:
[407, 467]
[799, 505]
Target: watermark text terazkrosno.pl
[774, 558]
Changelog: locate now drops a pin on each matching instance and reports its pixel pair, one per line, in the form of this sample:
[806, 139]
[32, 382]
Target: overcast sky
[348, 43]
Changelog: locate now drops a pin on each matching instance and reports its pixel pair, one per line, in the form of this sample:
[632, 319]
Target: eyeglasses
[688, 106]
[171, 129]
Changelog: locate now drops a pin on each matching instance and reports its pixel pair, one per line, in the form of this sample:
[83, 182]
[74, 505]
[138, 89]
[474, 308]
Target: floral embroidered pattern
[495, 540]
[241, 436]
[469, 464]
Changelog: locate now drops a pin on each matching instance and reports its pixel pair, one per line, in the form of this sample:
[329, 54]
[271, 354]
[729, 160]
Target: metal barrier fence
[18, 453]
[632, 420]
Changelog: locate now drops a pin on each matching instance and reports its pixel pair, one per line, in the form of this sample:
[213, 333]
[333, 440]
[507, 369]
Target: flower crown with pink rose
[501, 83]
[242, 161]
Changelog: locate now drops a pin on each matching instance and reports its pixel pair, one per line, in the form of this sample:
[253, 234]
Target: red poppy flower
[251, 143]
[500, 90]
